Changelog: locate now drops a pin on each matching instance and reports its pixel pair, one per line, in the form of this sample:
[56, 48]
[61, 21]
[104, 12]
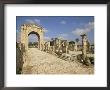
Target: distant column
[84, 46]
[76, 46]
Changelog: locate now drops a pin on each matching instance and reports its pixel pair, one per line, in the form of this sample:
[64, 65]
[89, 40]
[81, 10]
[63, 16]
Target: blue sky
[64, 27]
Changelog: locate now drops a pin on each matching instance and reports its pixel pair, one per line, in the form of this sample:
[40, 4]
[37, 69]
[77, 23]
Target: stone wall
[20, 50]
[56, 46]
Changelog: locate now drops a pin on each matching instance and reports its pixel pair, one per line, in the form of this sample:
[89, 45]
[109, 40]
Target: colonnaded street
[40, 62]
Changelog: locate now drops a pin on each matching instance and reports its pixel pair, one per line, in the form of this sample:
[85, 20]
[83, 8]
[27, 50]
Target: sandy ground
[39, 62]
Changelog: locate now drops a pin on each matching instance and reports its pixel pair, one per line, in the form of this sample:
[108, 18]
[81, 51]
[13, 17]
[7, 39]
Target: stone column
[23, 42]
[41, 40]
[84, 46]
[26, 40]
[40, 43]
[76, 46]
[66, 46]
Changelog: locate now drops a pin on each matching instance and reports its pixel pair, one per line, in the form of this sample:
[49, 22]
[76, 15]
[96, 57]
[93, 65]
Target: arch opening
[33, 40]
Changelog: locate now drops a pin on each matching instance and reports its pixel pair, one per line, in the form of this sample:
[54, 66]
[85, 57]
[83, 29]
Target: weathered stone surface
[39, 62]
[27, 29]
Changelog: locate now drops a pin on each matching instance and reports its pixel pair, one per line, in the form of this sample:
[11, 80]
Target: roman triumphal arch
[28, 29]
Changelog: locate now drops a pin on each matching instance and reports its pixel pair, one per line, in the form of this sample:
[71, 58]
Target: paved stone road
[39, 62]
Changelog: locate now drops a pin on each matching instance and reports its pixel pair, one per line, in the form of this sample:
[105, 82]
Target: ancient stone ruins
[60, 49]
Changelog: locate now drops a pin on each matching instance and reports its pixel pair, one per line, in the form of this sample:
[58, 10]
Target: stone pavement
[39, 62]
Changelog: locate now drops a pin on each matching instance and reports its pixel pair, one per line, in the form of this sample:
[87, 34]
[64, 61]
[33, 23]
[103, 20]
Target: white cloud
[35, 21]
[33, 38]
[63, 36]
[90, 26]
[47, 38]
[45, 30]
[30, 21]
[63, 22]
[87, 28]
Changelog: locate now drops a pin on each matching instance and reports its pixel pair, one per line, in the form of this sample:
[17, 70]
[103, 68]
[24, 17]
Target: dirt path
[39, 62]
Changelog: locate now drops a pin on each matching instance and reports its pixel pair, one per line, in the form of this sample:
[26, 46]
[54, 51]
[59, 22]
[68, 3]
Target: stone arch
[38, 36]
[28, 29]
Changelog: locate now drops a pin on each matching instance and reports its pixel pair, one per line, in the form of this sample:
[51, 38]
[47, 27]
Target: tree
[52, 39]
[77, 40]
[71, 45]
[71, 42]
